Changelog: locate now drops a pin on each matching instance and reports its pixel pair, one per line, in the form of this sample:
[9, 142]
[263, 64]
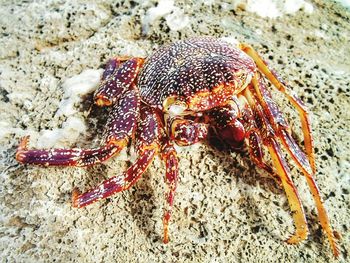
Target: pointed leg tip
[23, 146]
[75, 198]
[165, 240]
[166, 227]
[334, 244]
[335, 249]
[292, 240]
[25, 139]
[166, 236]
[20, 157]
[297, 238]
[336, 252]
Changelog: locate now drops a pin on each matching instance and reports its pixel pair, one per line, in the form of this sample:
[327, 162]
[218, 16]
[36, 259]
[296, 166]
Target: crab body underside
[186, 92]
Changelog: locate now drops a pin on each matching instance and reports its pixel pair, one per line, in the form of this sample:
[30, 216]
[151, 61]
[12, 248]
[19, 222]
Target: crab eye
[176, 109]
[174, 106]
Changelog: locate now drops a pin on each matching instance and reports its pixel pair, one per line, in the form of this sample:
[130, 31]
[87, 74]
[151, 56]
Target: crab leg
[147, 145]
[171, 163]
[121, 125]
[253, 138]
[298, 156]
[294, 150]
[257, 154]
[280, 124]
[65, 157]
[116, 80]
[293, 98]
[282, 169]
[112, 66]
[115, 184]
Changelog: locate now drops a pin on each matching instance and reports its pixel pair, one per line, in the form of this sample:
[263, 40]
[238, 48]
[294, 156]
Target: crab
[186, 92]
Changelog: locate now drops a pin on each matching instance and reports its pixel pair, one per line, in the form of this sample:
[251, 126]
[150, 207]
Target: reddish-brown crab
[186, 92]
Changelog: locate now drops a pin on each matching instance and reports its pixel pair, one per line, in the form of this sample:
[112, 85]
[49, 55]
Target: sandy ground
[226, 210]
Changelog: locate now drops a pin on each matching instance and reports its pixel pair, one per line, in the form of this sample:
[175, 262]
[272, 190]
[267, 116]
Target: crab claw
[75, 196]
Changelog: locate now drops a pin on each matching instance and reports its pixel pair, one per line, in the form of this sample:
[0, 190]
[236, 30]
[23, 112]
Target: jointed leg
[146, 145]
[298, 214]
[121, 125]
[293, 98]
[66, 157]
[116, 80]
[112, 66]
[294, 149]
[235, 122]
[254, 139]
[299, 157]
[282, 169]
[280, 125]
[257, 155]
[117, 183]
[171, 178]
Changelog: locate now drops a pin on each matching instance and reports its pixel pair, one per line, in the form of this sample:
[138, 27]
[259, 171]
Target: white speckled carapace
[203, 72]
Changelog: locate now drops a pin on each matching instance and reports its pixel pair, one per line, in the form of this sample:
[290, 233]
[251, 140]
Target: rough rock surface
[226, 210]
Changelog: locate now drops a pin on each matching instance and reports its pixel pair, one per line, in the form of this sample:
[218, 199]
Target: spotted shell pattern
[185, 68]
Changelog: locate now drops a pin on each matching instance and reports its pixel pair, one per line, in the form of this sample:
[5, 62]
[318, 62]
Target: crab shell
[194, 75]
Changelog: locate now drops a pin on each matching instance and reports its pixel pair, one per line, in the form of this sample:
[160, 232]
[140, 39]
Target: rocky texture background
[226, 210]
